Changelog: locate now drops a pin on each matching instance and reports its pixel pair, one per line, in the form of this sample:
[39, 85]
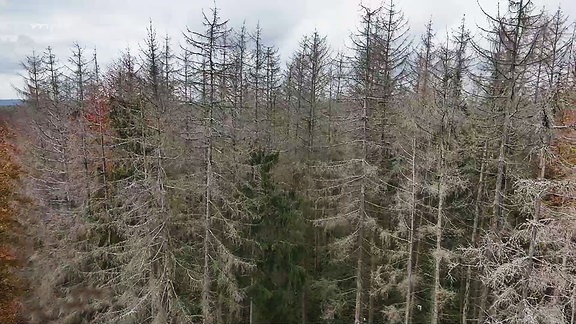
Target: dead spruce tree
[356, 182]
[512, 38]
[399, 184]
[523, 264]
[81, 79]
[410, 149]
[219, 225]
[447, 111]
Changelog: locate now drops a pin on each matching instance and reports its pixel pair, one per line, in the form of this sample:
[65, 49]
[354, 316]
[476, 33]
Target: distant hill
[10, 102]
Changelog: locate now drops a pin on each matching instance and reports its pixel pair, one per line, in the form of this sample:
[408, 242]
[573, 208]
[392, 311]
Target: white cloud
[112, 26]
[8, 85]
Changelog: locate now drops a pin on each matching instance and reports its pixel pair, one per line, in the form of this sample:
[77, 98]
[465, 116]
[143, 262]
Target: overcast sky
[115, 25]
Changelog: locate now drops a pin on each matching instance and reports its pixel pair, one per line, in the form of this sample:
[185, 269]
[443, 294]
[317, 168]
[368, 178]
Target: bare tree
[219, 229]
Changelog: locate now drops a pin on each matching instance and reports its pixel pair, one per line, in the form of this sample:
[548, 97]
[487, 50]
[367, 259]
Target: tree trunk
[371, 282]
[533, 228]
[497, 215]
[359, 266]
[361, 216]
[573, 310]
[438, 257]
[206, 279]
[477, 216]
[409, 270]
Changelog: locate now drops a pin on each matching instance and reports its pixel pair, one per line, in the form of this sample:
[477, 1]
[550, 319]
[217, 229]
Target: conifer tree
[219, 226]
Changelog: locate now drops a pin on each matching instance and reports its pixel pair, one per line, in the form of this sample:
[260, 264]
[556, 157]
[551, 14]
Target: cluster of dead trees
[425, 180]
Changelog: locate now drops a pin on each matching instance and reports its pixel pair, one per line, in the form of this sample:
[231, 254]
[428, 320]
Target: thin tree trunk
[206, 277]
[573, 310]
[104, 164]
[497, 217]
[533, 228]
[362, 212]
[163, 268]
[438, 257]
[409, 270]
[206, 280]
[85, 161]
[477, 216]
[482, 311]
[359, 266]
[251, 311]
[497, 214]
[251, 299]
[371, 282]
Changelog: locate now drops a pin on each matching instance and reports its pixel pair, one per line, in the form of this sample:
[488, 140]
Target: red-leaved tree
[11, 287]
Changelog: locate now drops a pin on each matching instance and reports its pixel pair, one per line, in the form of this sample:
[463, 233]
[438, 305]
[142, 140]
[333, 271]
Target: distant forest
[9, 102]
[425, 179]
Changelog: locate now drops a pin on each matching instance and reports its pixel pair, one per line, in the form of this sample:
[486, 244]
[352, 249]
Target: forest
[408, 179]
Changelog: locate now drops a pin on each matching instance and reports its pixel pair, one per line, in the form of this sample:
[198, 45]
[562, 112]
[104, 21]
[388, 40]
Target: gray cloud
[12, 49]
[112, 26]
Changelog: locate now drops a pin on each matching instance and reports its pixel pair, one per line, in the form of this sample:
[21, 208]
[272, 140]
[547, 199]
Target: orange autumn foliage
[564, 152]
[98, 111]
[10, 285]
